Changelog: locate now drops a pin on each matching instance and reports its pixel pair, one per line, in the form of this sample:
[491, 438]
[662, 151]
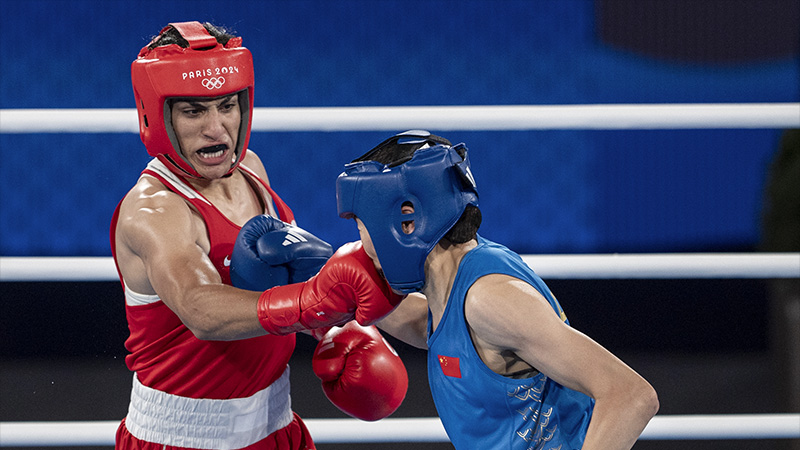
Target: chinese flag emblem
[450, 366]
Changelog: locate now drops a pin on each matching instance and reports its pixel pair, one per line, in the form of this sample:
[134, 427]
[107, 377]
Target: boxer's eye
[408, 225]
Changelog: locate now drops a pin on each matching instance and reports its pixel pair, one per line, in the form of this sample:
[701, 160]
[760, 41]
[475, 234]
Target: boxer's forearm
[618, 420]
[408, 322]
[221, 313]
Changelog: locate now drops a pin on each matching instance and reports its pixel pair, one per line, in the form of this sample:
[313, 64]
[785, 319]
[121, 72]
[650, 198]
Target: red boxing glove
[361, 373]
[347, 286]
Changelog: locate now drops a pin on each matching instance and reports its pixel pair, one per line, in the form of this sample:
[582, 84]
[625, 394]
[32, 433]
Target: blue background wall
[542, 191]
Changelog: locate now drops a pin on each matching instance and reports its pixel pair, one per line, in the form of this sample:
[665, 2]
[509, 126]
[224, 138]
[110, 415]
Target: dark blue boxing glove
[269, 252]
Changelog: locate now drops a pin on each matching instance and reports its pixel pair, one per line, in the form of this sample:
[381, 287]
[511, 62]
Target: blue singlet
[481, 409]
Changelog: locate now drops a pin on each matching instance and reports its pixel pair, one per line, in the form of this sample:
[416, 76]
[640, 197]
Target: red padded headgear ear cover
[205, 69]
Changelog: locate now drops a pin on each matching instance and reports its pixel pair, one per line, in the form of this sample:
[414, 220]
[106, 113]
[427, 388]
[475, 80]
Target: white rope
[329, 431]
[393, 118]
[627, 266]
[666, 265]
[743, 426]
[66, 268]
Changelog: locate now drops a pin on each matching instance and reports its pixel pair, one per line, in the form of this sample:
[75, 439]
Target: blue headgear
[438, 182]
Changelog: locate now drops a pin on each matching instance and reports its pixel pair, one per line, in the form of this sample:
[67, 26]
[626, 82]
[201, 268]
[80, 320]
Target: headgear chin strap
[206, 69]
[436, 180]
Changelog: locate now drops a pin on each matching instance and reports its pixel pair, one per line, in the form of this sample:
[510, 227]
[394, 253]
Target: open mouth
[214, 151]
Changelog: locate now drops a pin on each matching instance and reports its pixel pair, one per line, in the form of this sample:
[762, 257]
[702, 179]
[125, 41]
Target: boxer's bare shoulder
[154, 220]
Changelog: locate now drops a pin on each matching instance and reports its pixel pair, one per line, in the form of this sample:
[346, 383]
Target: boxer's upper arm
[510, 314]
[162, 244]
[163, 233]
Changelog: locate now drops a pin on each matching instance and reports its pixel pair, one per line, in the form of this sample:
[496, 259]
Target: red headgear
[205, 69]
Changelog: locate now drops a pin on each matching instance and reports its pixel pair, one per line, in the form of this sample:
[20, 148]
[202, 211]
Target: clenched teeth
[212, 152]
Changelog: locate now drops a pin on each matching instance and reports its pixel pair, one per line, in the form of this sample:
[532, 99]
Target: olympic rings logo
[213, 82]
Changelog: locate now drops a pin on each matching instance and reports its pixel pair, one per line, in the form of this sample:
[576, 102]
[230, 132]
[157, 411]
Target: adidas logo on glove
[293, 237]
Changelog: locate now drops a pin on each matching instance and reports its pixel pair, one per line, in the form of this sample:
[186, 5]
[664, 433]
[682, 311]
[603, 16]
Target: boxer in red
[210, 359]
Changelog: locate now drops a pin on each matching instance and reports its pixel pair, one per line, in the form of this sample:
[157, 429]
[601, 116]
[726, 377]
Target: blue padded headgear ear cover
[437, 181]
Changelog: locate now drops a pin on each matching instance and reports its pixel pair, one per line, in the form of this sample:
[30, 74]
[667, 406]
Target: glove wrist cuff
[279, 309]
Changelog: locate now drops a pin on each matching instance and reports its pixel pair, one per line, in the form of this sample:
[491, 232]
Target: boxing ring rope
[490, 117]
[594, 266]
[428, 429]
[515, 117]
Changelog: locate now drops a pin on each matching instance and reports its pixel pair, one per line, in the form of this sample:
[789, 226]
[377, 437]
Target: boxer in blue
[506, 370]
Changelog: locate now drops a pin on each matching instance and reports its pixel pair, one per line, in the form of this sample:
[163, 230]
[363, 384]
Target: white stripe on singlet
[137, 299]
[158, 167]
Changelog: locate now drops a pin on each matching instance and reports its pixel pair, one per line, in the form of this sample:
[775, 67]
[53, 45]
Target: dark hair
[467, 226]
[396, 150]
[172, 36]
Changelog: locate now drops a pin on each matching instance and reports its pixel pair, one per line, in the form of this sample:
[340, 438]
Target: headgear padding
[436, 180]
[206, 69]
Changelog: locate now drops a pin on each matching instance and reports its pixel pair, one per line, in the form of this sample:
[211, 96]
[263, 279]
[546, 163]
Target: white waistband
[163, 418]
